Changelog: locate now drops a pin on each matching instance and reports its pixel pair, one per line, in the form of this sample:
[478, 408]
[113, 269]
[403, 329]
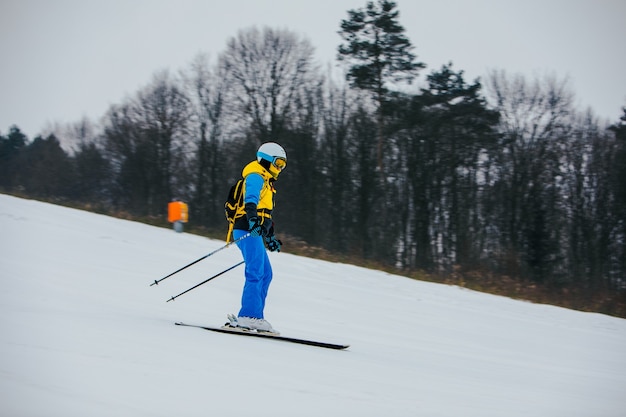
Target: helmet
[275, 155]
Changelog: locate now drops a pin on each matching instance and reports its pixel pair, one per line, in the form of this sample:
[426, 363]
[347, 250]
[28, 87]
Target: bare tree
[535, 121]
[207, 87]
[147, 138]
[267, 70]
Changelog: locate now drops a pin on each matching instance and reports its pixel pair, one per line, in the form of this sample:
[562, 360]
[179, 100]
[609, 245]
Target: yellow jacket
[257, 189]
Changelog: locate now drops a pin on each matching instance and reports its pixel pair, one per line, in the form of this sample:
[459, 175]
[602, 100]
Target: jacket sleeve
[254, 184]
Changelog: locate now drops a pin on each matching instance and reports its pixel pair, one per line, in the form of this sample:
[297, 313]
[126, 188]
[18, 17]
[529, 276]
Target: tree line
[502, 176]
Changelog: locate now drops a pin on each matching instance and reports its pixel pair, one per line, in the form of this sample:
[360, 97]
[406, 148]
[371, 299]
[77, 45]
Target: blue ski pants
[258, 275]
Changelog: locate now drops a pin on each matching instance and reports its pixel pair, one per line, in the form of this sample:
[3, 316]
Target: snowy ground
[83, 334]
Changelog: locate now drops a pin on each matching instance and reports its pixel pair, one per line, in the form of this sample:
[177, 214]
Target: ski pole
[198, 260]
[205, 281]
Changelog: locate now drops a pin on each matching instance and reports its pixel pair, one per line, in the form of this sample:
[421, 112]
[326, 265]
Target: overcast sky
[62, 60]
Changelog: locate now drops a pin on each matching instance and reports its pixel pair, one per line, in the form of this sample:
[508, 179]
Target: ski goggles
[278, 161]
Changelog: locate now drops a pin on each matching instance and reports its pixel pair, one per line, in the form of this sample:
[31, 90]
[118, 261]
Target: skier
[259, 177]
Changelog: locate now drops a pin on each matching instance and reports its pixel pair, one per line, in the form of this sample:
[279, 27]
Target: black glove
[254, 223]
[255, 228]
[273, 244]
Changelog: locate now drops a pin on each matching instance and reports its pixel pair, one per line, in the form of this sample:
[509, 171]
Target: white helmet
[275, 155]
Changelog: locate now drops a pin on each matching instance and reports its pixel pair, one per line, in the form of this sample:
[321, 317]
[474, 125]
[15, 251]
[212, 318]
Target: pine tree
[378, 53]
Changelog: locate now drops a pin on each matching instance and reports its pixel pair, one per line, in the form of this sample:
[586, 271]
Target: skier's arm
[254, 184]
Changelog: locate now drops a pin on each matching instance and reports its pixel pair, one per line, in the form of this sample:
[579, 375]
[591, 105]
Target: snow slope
[84, 334]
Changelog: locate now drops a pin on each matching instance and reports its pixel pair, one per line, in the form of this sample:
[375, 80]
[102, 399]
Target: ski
[269, 336]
